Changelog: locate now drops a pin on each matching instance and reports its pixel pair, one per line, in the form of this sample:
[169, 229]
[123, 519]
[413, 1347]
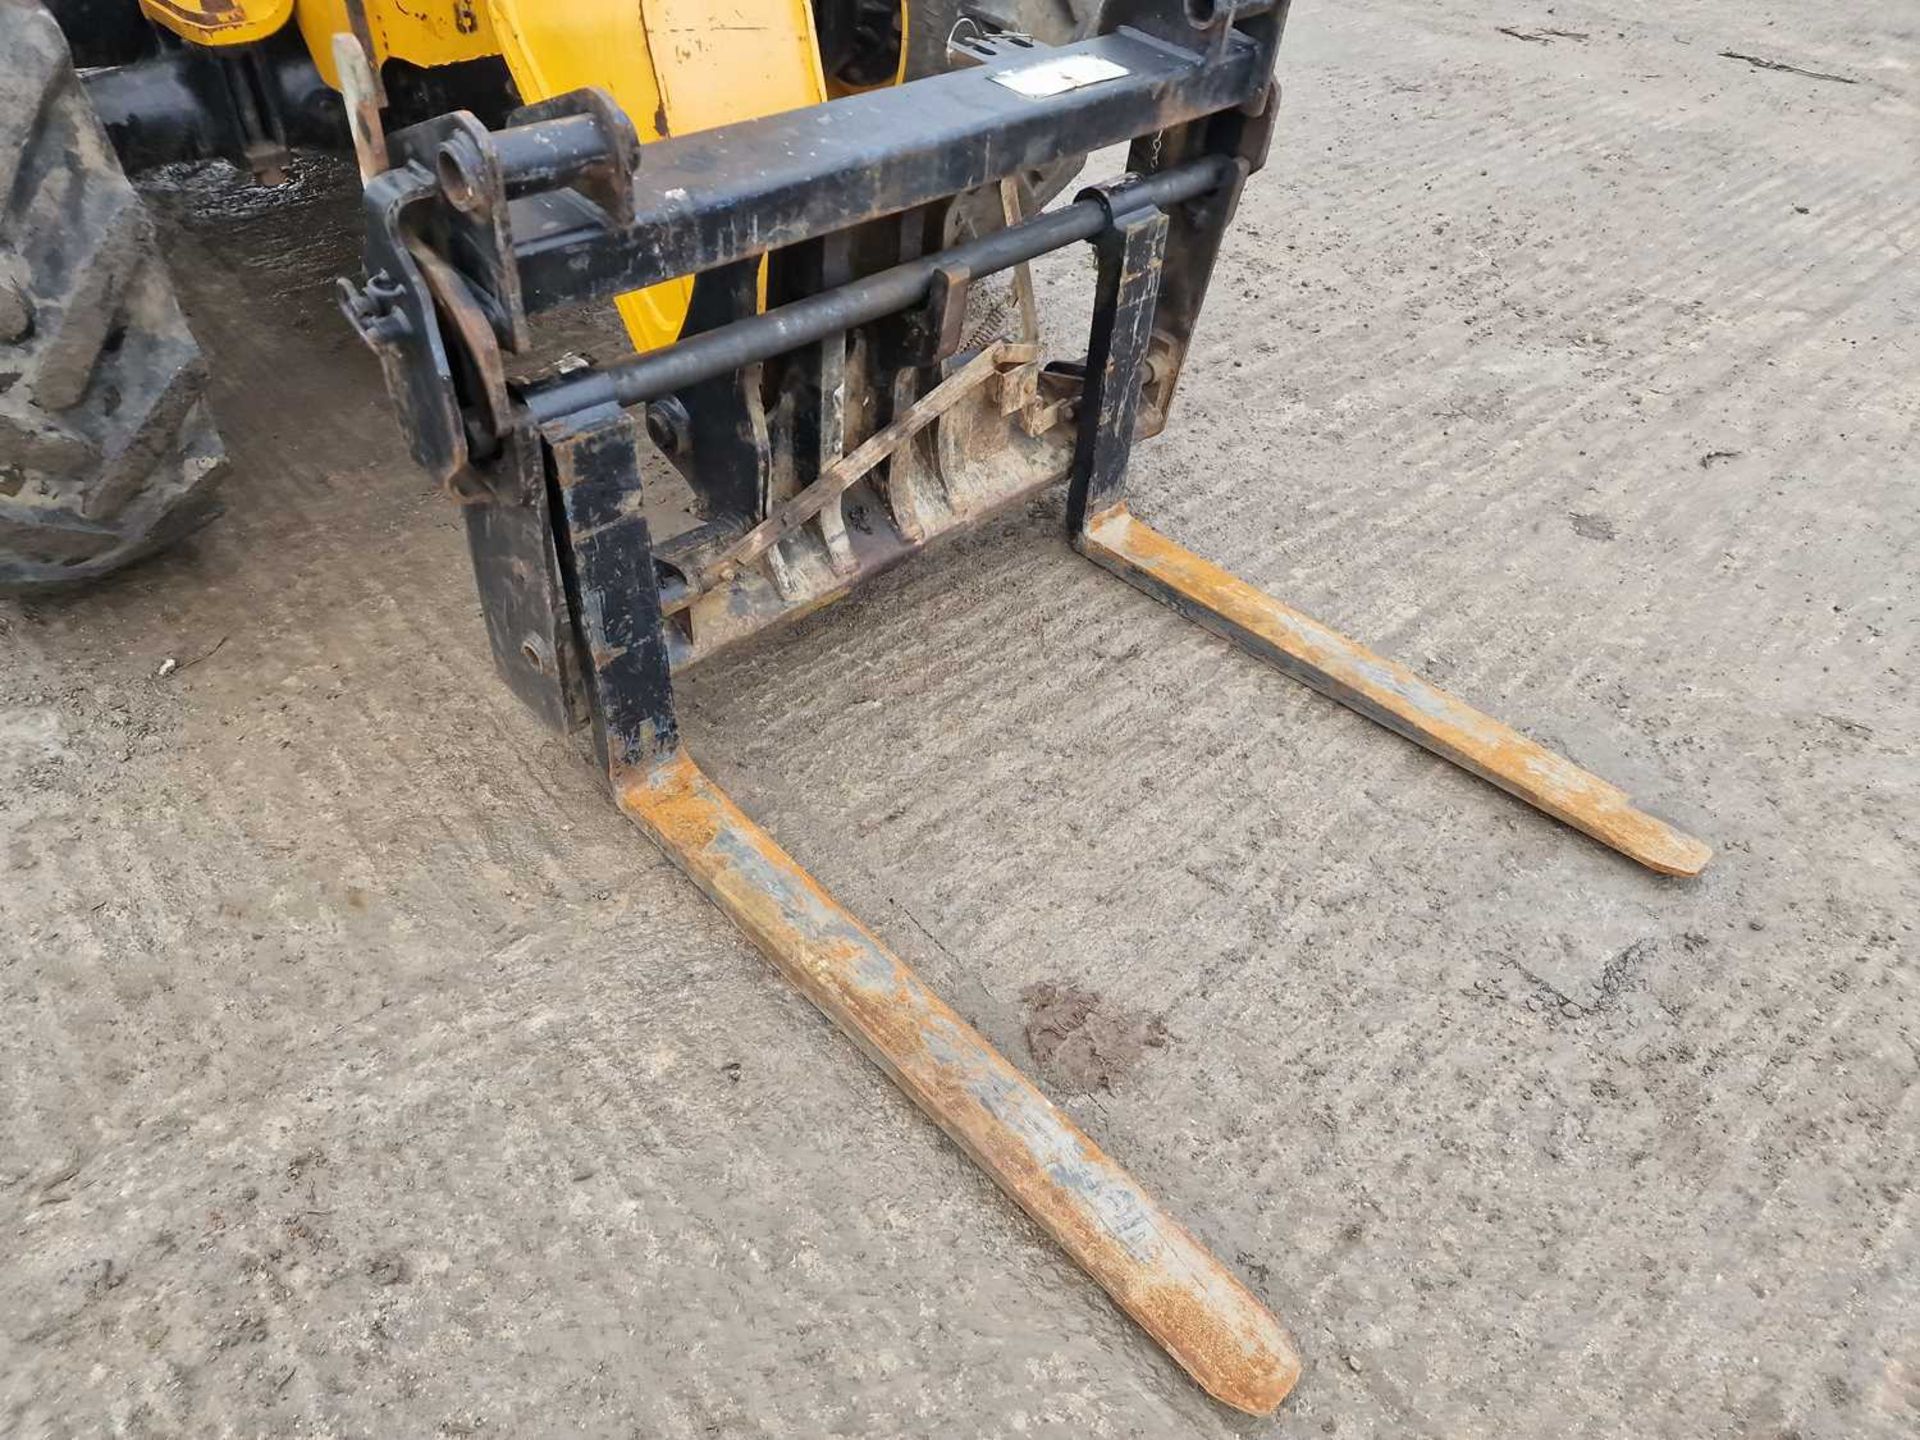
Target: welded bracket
[1130, 250]
[606, 561]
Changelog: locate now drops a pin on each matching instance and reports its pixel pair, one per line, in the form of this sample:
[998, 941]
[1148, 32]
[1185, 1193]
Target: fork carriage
[832, 411]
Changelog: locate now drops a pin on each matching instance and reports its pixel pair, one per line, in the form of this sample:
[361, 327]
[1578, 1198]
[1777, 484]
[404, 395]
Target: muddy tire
[107, 449]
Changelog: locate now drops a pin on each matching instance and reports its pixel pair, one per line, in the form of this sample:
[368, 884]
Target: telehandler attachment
[855, 380]
[820, 252]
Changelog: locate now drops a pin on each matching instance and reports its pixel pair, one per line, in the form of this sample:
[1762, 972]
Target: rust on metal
[1197, 1310]
[1385, 692]
[1010, 212]
[360, 88]
[486, 372]
[845, 472]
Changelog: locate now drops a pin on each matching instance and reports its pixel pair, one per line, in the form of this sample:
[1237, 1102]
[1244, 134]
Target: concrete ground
[362, 1073]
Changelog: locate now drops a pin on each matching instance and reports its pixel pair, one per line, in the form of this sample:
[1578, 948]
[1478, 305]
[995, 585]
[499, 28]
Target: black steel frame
[472, 233]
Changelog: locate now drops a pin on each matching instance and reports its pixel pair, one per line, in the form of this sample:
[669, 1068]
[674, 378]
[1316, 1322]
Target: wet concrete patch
[1081, 1041]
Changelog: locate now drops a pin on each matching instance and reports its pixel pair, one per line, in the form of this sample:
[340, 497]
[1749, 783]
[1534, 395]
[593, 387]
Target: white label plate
[1056, 77]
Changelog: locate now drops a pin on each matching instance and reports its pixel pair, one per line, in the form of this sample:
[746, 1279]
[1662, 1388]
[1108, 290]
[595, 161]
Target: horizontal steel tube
[548, 153]
[745, 342]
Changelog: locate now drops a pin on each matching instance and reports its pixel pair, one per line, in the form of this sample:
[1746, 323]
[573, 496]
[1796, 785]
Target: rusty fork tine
[1384, 692]
[1152, 1267]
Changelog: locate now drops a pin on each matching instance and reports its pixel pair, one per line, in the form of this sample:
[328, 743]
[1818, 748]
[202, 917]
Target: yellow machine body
[421, 32]
[674, 66]
[219, 22]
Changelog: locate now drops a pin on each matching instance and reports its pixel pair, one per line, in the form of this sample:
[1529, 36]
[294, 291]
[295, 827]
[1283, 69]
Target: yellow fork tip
[1261, 1394]
[1662, 848]
[1676, 853]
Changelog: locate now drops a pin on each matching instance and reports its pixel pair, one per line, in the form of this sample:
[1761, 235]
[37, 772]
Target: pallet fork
[831, 431]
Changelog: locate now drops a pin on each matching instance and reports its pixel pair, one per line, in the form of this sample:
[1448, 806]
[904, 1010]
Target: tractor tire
[107, 449]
